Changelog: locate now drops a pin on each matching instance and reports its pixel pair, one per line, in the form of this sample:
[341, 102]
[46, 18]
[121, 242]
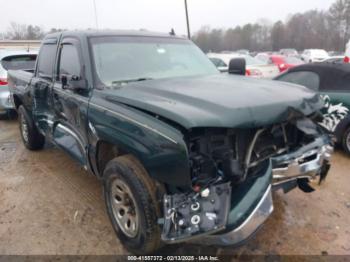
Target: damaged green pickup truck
[185, 153]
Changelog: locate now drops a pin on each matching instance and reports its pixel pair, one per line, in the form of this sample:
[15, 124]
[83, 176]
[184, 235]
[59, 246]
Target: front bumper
[5, 99]
[257, 218]
[306, 162]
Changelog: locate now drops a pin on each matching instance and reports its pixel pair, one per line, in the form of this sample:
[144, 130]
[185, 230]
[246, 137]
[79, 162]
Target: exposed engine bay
[238, 155]
[223, 159]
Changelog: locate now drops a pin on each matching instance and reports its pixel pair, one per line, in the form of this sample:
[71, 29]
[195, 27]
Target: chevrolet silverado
[184, 153]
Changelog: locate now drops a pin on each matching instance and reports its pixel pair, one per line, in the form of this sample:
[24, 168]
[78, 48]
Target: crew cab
[184, 153]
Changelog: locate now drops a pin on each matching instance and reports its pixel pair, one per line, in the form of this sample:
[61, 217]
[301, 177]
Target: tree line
[18, 31]
[325, 29]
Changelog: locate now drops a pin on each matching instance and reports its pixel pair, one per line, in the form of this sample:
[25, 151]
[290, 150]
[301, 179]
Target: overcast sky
[156, 15]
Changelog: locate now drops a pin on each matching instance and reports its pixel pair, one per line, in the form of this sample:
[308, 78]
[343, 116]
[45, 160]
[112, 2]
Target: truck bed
[20, 76]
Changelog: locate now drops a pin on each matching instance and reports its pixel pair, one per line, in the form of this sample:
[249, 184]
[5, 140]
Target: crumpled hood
[218, 100]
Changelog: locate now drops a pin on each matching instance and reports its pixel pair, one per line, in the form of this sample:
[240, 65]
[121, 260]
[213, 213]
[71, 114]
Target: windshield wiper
[131, 80]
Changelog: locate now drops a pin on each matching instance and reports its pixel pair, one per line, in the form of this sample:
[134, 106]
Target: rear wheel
[130, 196]
[31, 137]
[346, 141]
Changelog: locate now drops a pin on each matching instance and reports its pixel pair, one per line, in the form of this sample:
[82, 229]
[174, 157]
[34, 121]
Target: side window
[69, 61]
[339, 83]
[305, 78]
[46, 60]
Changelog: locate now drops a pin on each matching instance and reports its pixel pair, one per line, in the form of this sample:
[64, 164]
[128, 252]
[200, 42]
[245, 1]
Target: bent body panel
[158, 146]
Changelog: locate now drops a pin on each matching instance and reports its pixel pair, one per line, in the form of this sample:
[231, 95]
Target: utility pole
[188, 22]
[95, 10]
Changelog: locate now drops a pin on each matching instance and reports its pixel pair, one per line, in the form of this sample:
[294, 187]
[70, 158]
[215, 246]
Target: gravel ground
[50, 205]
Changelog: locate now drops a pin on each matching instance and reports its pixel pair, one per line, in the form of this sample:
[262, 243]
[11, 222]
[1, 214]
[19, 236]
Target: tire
[346, 141]
[126, 181]
[31, 137]
[8, 115]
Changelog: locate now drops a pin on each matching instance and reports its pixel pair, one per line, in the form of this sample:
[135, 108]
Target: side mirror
[64, 81]
[73, 82]
[237, 66]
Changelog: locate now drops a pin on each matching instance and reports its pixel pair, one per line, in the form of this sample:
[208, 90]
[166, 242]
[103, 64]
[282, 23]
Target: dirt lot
[49, 205]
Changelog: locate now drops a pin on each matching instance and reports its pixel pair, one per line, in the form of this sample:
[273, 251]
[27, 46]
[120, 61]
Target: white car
[255, 67]
[314, 55]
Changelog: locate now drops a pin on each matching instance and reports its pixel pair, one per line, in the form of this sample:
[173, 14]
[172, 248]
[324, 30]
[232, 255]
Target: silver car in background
[12, 59]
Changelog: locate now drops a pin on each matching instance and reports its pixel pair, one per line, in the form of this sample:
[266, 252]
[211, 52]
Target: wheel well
[105, 153]
[341, 129]
[17, 101]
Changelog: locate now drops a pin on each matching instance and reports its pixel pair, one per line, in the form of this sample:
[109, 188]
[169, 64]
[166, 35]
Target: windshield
[127, 59]
[253, 61]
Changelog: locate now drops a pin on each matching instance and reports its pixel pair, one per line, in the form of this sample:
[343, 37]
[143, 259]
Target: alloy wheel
[124, 208]
[24, 129]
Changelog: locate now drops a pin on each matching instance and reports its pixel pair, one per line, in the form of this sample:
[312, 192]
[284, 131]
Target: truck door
[42, 82]
[70, 104]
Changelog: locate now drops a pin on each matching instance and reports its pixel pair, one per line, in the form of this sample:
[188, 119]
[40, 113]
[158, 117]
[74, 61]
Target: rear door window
[46, 60]
[308, 79]
[340, 83]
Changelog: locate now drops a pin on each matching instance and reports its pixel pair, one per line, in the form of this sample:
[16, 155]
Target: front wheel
[130, 196]
[346, 141]
[31, 137]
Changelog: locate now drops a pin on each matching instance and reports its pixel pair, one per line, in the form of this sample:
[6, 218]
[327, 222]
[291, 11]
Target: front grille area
[240, 154]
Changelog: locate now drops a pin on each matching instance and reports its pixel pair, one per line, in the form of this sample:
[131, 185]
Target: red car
[283, 62]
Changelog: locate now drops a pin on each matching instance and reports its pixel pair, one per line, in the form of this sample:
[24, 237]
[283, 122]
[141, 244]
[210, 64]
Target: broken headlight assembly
[196, 214]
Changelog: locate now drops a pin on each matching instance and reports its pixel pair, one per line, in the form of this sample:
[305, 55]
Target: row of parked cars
[270, 64]
[185, 153]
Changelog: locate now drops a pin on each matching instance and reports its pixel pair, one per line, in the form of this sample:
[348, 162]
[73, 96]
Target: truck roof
[92, 33]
